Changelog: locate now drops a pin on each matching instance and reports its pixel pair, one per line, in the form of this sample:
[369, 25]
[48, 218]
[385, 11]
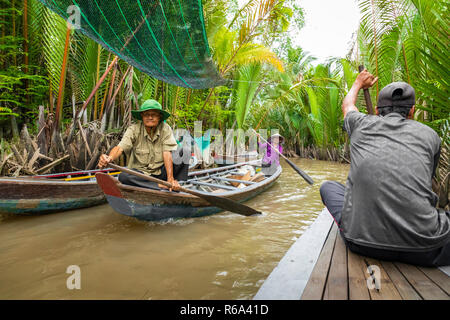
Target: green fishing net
[164, 38]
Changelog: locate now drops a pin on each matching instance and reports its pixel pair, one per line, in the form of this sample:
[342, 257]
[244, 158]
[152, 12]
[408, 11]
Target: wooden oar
[299, 171]
[215, 201]
[366, 94]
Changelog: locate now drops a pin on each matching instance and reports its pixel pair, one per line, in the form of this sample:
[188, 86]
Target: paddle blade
[228, 204]
[299, 171]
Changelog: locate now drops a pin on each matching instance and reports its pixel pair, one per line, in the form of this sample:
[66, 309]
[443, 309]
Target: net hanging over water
[164, 38]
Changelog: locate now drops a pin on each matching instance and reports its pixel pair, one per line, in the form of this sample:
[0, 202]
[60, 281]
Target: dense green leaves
[408, 40]
[273, 84]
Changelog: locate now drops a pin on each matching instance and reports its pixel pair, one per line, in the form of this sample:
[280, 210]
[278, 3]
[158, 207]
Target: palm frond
[412, 46]
[256, 53]
[245, 89]
[53, 39]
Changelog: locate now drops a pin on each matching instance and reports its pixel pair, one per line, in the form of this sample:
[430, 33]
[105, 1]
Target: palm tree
[305, 102]
[407, 40]
[239, 56]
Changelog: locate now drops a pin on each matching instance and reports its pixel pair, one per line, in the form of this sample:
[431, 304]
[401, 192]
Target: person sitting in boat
[387, 209]
[271, 160]
[148, 145]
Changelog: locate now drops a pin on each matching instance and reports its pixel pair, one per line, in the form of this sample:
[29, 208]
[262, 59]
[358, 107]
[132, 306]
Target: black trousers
[180, 173]
[332, 194]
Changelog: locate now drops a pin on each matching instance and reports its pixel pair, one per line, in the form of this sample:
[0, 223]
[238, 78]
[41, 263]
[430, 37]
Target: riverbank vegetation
[48, 72]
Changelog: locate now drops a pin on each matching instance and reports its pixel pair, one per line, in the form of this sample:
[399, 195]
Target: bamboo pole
[96, 80]
[108, 99]
[62, 81]
[111, 101]
[46, 168]
[25, 33]
[111, 86]
[113, 62]
[13, 5]
[118, 88]
[2, 56]
[25, 45]
[403, 45]
[103, 103]
[99, 83]
[132, 95]
[83, 135]
[375, 40]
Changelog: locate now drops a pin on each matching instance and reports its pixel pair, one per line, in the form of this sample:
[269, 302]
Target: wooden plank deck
[336, 273]
[348, 275]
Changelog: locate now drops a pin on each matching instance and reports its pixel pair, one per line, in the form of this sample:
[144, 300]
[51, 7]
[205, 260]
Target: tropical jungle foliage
[272, 83]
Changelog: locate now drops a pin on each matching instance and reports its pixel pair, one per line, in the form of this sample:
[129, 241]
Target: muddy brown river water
[224, 256]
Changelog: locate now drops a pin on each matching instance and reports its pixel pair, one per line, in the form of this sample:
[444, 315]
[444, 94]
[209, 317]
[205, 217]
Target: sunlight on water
[224, 256]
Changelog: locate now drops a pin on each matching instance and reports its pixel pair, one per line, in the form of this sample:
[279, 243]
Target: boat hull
[157, 212]
[156, 205]
[41, 195]
[45, 206]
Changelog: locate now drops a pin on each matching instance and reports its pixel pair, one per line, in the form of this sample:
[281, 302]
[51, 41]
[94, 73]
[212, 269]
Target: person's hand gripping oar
[223, 203]
[297, 169]
[367, 93]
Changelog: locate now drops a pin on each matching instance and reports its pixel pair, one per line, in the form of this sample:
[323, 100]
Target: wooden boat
[233, 182]
[319, 266]
[51, 193]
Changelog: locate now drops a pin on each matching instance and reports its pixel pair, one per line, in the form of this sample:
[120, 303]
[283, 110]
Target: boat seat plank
[427, 289]
[316, 283]
[212, 185]
[402, 285]
[233, 180]
[221, 169]
[217, 174]
[258, 177]
[336, 287]
[357, 282]
[387, 289]
[438, 277]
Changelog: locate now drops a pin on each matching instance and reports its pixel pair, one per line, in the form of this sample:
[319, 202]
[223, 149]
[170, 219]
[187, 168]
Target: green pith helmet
[150, 105]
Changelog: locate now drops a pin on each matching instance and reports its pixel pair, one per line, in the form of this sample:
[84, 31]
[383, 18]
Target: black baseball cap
[397, 94]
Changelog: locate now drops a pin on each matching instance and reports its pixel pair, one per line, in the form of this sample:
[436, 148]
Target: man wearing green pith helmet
[148, 145]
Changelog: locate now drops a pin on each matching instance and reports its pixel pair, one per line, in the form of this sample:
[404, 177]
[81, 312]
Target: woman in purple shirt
[271, 159]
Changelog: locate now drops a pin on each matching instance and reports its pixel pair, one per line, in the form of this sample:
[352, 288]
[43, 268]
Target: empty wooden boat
[51, 193]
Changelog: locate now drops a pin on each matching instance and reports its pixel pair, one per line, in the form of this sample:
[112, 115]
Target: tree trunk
[13, 16]
[41, 138]
[25, 45]
[14, 128]
[62, 81]
[26, 140]
[111, 112]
